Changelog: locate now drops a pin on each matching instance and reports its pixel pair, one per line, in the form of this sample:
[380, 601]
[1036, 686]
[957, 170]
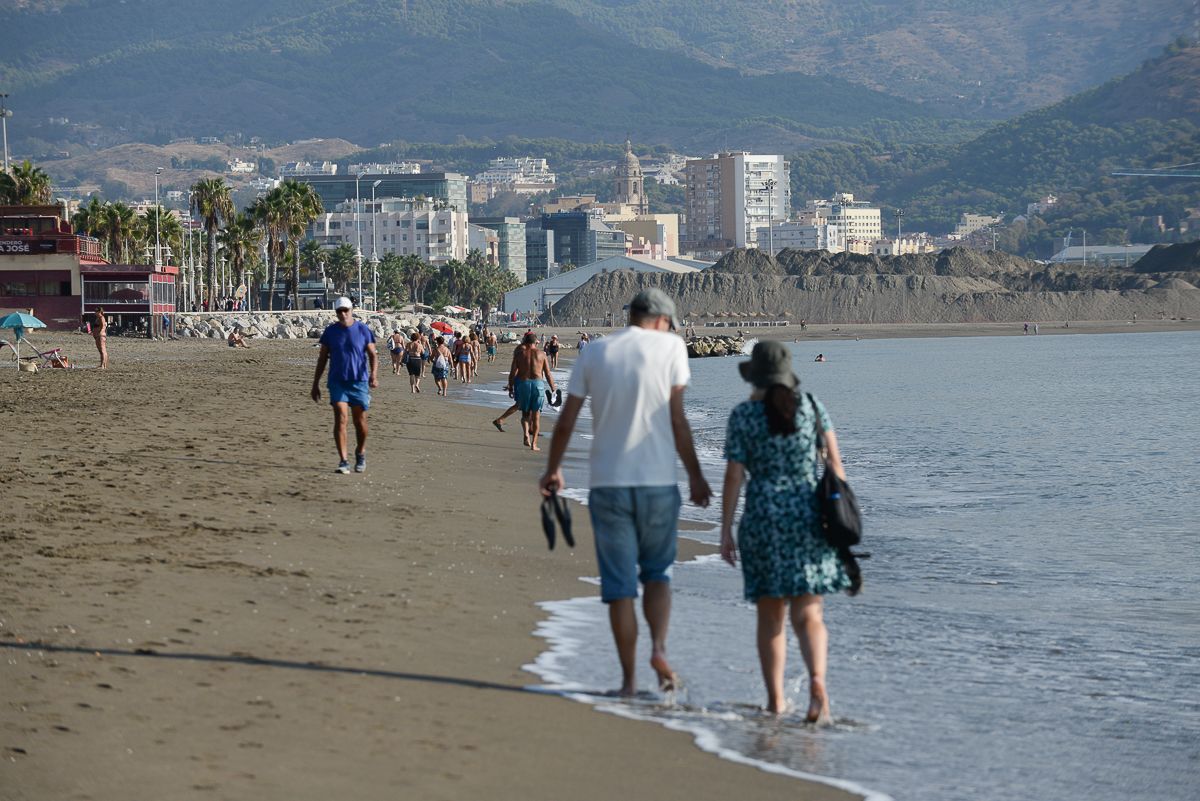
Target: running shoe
[360, 463]
[343, 467]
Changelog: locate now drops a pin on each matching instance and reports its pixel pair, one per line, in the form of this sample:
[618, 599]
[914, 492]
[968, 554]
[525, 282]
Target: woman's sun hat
[770, 363]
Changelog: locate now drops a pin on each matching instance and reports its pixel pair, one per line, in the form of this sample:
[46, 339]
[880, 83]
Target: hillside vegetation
[374, 71]
[1148, 119]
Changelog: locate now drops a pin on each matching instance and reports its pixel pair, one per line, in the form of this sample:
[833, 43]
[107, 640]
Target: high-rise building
[730, 196]
[581, 237]
[511, 234]
[441, 188]
[405, 227]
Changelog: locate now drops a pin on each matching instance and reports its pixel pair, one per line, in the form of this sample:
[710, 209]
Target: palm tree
[240, 241]
[340, 266]
[170, 231]
[269, 211]
[301, 205]
[24, 185]
[89, 219]
[210, 200]
[417, 274]
[118, 222]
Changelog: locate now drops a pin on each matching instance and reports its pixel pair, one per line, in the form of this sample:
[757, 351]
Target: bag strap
[819, 442]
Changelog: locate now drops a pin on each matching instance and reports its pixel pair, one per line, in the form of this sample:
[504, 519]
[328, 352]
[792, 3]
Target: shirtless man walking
[529, 367]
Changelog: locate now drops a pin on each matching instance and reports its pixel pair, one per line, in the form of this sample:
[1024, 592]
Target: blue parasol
[18, 322]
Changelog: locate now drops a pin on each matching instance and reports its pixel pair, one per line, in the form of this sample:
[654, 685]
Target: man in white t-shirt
[635, 379]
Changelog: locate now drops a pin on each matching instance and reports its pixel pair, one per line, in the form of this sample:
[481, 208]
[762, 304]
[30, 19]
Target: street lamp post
[899, 217]
[358, 254]
[4, 115]
[770, 184]
[157, 215]
[374, 248]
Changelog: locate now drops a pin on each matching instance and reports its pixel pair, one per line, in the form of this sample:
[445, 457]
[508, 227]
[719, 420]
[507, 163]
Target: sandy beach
[192, 604]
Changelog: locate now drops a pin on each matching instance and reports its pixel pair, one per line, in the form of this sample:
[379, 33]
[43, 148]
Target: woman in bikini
[100, 334]
[396, 346]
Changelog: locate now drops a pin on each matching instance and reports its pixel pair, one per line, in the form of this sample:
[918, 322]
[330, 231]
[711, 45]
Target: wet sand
[193, 605]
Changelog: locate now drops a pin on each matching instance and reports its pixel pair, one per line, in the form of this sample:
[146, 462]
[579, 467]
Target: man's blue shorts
[355, 393]
[635, 532]
[529, 394]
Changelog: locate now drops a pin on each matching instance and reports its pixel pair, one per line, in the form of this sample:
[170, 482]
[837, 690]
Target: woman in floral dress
[786, 563]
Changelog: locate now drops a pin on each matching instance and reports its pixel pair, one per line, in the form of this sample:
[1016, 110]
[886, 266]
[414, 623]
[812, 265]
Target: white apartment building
[802, 235]
[486, 241]
[517, 174]
[730, 196]
[395, 225]
[385, 168]
[904, 246]
[241, 167]
[855, 219]
[970, 223]
[294, 168]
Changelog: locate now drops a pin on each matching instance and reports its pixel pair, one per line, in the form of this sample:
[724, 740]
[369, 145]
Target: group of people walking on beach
[441, 355]
[636, 379]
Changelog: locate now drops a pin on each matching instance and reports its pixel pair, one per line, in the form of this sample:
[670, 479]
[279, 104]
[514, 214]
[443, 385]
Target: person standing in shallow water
[786, 563]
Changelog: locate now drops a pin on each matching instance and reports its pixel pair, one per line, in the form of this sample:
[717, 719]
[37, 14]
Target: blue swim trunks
[529, 394]
[355, 393]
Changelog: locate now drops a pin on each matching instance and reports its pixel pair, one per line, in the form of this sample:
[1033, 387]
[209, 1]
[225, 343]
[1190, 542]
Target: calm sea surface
[1030, 625]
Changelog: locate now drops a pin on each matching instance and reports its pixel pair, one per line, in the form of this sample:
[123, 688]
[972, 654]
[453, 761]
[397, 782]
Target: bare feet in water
[818, 703]
[668, 681]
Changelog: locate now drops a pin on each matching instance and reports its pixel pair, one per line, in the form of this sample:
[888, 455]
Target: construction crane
[1176, 171]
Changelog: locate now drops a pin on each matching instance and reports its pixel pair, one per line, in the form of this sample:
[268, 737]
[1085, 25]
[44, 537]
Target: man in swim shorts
[635, 379]
[529, 367]
[348, 347]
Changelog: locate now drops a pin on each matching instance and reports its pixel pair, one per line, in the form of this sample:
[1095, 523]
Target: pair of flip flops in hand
[554, 507]
[554, 398]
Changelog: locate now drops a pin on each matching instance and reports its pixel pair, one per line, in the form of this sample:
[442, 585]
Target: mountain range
[699, 74]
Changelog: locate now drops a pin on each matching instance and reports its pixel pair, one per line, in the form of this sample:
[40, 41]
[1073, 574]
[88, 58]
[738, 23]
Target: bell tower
[630, 183]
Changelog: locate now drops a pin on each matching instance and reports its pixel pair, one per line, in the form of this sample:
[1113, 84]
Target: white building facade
[393, 225]
[517, 174]
[855, 219]
[802, 235]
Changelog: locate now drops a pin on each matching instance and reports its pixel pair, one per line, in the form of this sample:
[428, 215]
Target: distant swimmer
[820, 357]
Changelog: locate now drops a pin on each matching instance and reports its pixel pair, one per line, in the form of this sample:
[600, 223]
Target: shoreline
[196, 603]
[835, 331]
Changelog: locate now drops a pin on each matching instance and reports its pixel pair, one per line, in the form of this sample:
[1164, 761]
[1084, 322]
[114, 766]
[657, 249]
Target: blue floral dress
[783, 553]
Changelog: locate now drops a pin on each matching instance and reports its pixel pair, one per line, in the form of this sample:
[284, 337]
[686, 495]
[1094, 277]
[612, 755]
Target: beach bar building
[61, 277]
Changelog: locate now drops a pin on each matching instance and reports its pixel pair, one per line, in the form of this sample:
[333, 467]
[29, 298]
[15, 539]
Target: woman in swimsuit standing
[552, 351]
[396, 346]
[100, 334]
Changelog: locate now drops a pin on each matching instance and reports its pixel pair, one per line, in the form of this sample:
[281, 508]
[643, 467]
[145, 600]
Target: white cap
[343, 303]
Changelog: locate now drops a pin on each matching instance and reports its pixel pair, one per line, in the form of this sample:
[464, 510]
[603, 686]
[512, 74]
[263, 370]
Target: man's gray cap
[654, 303]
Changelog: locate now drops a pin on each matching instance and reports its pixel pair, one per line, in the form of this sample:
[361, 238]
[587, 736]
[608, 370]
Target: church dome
[632, 162]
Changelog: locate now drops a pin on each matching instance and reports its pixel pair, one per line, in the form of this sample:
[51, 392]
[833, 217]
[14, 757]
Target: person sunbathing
[236, 340]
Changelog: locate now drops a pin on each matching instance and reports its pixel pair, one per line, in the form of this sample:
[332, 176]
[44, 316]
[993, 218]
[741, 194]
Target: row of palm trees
[279, 219]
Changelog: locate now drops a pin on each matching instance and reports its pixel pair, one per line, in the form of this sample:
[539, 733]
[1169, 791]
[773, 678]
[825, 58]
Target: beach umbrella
[18, 322]
[445, 328]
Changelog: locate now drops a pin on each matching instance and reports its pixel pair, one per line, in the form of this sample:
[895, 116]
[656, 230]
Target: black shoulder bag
[841, 520]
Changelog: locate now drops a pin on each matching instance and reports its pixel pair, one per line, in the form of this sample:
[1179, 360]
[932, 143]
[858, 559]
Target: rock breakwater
[703, 347]
[297, 325]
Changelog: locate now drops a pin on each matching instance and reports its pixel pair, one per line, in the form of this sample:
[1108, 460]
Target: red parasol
[445, 328]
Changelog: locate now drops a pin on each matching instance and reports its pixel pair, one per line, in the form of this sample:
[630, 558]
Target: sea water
[1030, 623]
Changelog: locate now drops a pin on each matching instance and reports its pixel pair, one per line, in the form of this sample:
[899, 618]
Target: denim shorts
[355, 393]
[635, 533]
